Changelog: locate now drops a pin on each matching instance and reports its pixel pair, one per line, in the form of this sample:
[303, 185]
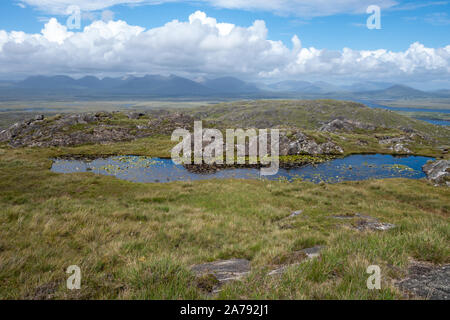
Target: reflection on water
[355, 167]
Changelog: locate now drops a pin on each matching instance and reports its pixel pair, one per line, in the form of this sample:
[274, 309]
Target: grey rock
[59, 131]
[345, 125]
[438, 171]
[313, 252]
[391, 141]
[301, 144]
[310, 253]
[5, 135]
[397, 144]
[400, 148]
[224, 270]
[39, 117]
[428, 282]
[364, 222]
[135, 115]
[296, 213]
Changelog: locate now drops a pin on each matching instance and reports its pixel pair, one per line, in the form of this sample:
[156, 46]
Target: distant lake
[406, 109]
[151, 170]
[436, 122]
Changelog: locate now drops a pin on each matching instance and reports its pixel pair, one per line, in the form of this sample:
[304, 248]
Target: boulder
[223, 270]
[135, 115]
[400, 148]
[438, 172]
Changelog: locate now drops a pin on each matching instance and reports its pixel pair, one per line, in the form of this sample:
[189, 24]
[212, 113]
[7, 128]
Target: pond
[156, 170]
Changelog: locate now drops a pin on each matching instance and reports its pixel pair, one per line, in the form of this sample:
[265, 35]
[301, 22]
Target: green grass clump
[134, 240]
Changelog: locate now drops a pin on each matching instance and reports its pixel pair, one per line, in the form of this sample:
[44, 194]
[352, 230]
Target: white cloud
[304, 8]
[301, 8]
[107, 15]
[60, 6]
[203, 47]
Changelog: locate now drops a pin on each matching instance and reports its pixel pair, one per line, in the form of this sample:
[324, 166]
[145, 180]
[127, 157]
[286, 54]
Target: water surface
[351, 168]
[406, 109]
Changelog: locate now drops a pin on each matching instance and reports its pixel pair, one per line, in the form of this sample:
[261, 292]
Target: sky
[261, 41]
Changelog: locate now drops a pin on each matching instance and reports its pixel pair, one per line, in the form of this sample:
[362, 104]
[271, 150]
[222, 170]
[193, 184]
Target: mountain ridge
[155, 85]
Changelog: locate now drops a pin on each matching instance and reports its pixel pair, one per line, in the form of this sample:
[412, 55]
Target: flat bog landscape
[208, 161]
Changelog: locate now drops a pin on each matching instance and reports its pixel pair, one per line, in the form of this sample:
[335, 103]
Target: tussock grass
[137, 241]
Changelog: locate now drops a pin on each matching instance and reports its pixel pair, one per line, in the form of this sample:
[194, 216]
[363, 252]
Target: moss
[207, 282]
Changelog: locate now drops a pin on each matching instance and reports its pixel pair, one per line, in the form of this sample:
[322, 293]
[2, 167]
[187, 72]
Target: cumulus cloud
[202, 46]
[301, 8]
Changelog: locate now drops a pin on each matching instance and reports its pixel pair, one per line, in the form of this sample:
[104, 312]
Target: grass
[310, 115]
[430, 103]
[137, 241]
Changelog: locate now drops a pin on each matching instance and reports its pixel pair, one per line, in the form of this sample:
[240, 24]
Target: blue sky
[327, 26]
[429, 24]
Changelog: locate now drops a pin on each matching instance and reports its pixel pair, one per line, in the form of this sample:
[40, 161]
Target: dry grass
[135, 240]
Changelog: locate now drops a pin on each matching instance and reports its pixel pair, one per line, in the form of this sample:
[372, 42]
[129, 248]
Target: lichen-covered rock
[400, 148]
[89, 128]
[299, 143]
[396, 144]
[345, 125]
[438, 171]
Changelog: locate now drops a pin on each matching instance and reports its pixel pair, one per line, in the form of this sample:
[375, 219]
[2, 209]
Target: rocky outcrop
[438, 172]
[362, 222]
[290, 143]
[400, 148]
[299, 143]
[212, 275]
[427, 281]
[337, 125]
[105, 127]
[396, 144]
[90, 128]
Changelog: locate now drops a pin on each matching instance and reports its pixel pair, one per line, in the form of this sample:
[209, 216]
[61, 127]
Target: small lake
[154, 170]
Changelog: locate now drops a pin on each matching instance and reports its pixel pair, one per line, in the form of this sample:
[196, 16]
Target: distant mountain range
[157, 86]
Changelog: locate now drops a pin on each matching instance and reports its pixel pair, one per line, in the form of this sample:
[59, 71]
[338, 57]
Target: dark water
[355, 167]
